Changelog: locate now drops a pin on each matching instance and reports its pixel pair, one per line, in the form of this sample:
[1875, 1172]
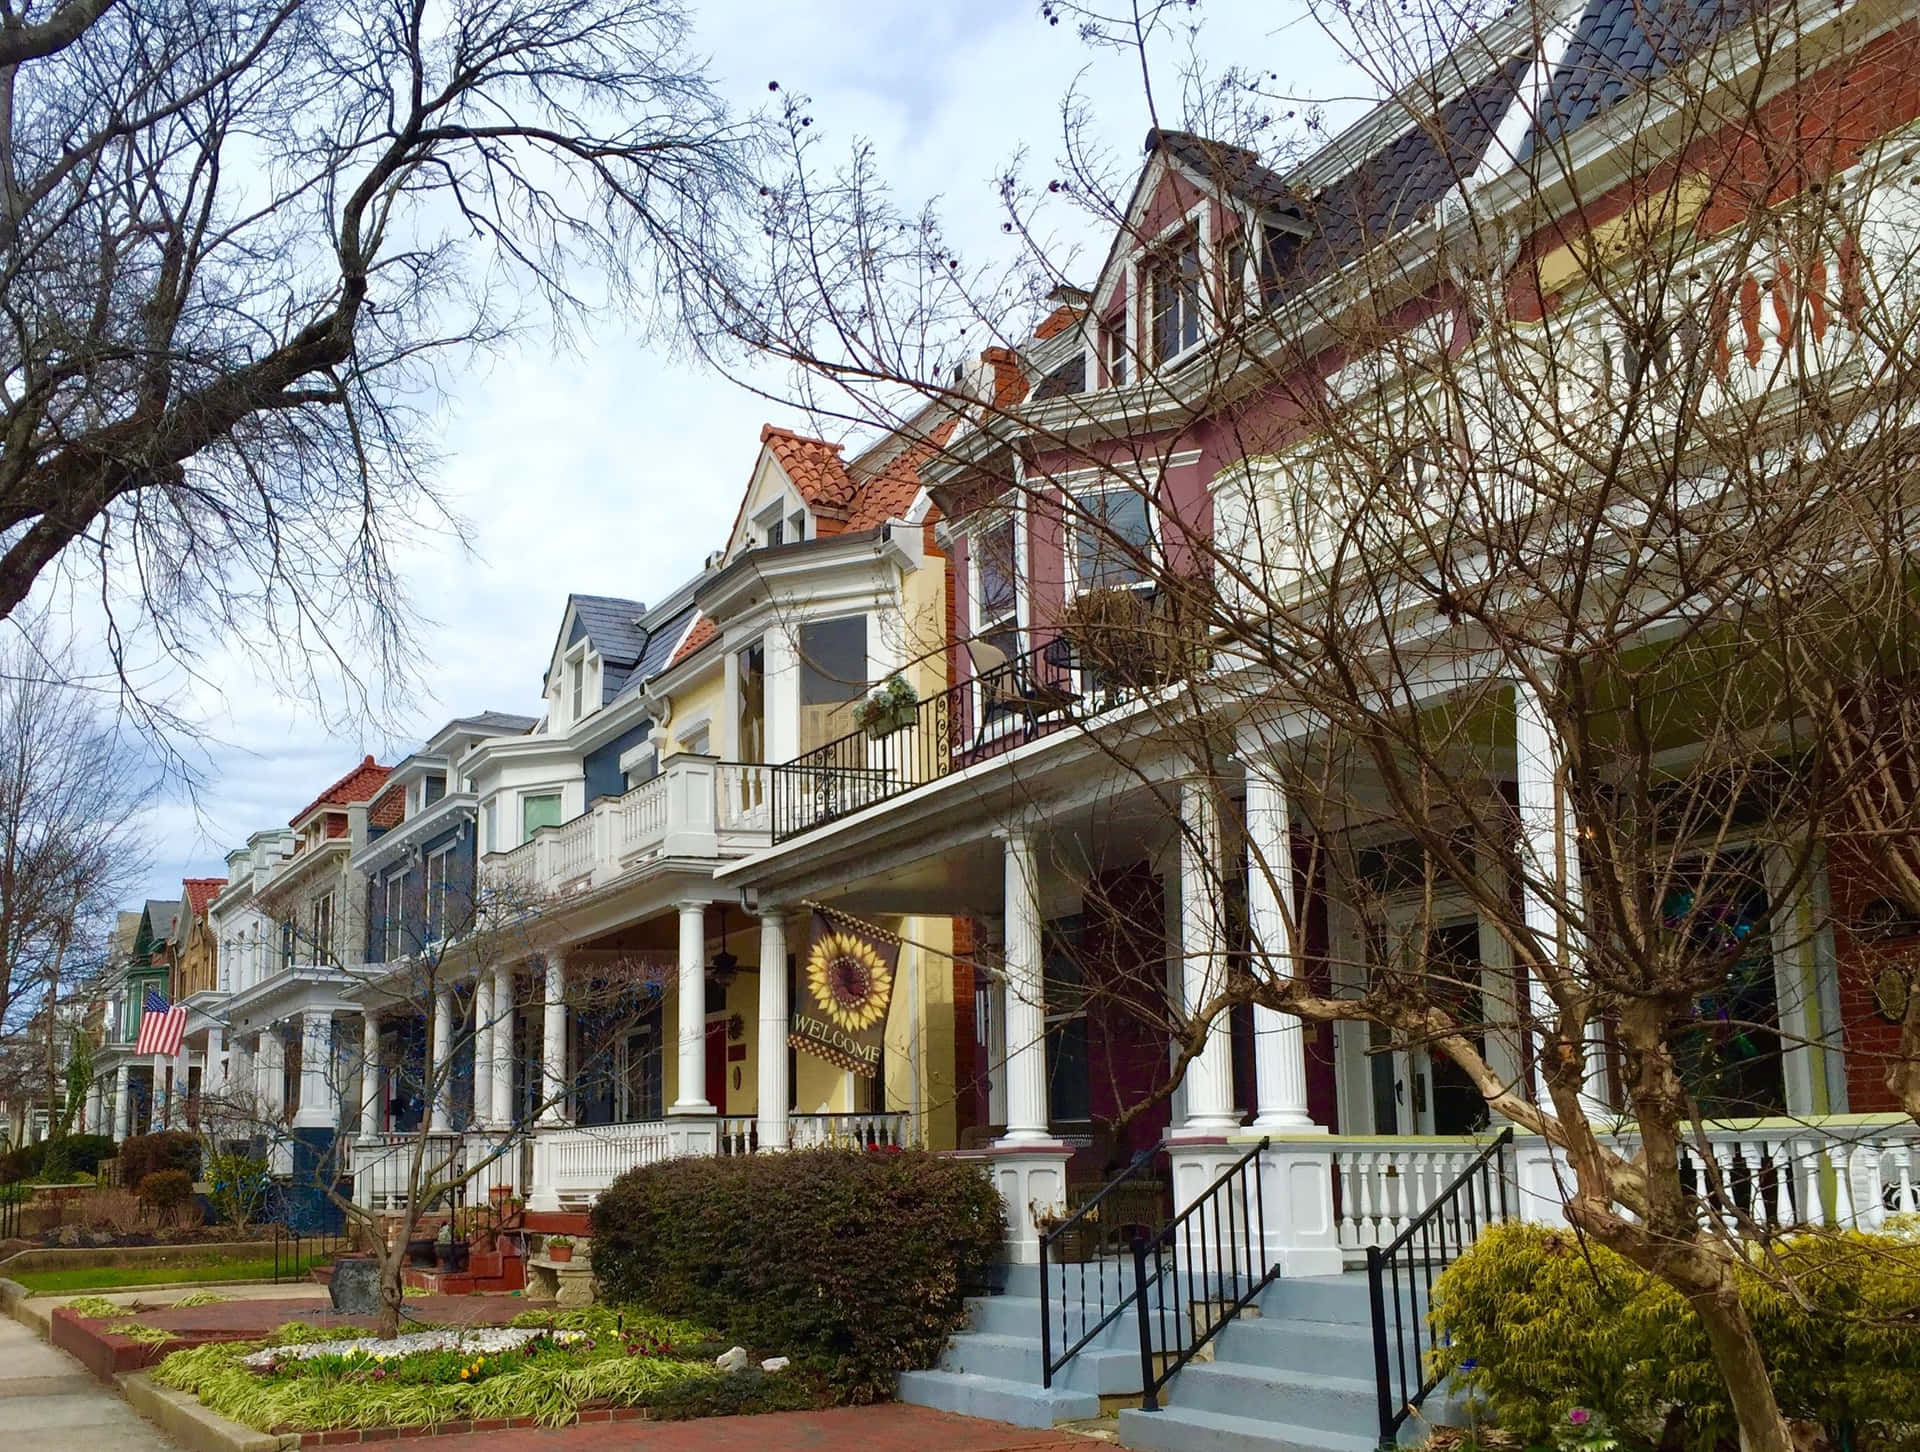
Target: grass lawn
[119, 1278]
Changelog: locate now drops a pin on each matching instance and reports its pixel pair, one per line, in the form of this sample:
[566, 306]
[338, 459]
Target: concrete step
[1106, 1371]
[1335, 1404]
[1187, 1429]
[1025, 1404]
[1341, 1300]
[1309, 1348]
[1020, 1316]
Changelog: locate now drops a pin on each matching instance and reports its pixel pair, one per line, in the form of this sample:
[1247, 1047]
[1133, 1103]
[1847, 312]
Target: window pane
[998, 591]
[833, 675]
[538, 811]
[752, 734]
[1113, 534]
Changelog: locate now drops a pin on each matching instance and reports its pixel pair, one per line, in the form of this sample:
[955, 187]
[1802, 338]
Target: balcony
[697, 807]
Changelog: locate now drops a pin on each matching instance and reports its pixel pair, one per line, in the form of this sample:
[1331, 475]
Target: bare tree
[72, 792]
[1556, 561]
[239, 245]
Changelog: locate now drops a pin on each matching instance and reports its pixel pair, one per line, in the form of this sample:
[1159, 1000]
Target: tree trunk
[393, 1284]
[1736, 1350]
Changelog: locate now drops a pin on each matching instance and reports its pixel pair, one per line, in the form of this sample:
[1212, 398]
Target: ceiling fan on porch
[724, 965]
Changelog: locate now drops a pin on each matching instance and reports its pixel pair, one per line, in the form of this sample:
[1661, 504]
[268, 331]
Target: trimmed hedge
[75, 1154]
[1538, 1322]
[853, 1262]
[147, 1154]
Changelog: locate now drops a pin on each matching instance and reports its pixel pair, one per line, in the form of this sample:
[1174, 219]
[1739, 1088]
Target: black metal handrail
[1217, 1248]
[1033, 694]
[1431, 1243]
[1078, 1241]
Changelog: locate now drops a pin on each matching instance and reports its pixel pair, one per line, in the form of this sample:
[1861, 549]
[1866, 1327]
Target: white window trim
[432, 921]
[975, 533]
[394, 924]
[1197, 219]
[1087, 483]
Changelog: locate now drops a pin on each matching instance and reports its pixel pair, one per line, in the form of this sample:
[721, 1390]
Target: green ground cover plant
[628, 1358]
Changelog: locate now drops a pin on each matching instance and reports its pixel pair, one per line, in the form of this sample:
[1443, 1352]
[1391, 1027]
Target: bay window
[1112, 534]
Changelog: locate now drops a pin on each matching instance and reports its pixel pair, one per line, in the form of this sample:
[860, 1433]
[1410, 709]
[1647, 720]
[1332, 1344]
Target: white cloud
[615, 469]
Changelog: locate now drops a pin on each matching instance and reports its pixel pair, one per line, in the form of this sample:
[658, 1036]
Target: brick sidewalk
[888, 1428]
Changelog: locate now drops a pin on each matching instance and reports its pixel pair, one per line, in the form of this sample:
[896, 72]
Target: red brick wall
[1869, 1039]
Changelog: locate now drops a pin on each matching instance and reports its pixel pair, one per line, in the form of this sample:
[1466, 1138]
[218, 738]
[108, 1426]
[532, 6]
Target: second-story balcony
[698, 807]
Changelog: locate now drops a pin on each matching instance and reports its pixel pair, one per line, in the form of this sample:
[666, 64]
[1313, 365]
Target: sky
[609, 468]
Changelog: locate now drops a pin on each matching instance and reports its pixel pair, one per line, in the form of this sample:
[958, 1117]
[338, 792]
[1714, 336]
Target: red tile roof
[357, 785]
[813, 465]
[198, 892]
[1058, 321]
[703, 631]
[890, 493]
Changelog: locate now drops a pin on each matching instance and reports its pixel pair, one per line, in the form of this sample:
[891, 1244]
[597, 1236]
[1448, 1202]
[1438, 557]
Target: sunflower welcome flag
[844, 992]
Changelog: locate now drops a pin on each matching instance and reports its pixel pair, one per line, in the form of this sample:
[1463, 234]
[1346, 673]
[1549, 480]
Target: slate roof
[1620, 45]
[163, 919]
[358, 785]
[613, 626]
[503, 723]
[1401, 181]
[1069, 377]
[1233, 169]
[661, 643]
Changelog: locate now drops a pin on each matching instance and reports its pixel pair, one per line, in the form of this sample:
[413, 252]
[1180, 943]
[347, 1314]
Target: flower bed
[547, 1367]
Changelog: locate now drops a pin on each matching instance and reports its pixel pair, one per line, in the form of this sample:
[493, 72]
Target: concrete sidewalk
[49, 1400]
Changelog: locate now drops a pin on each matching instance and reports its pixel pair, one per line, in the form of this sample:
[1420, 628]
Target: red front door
[717, 1063]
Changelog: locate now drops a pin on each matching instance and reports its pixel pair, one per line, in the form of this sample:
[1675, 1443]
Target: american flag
[161, 1028]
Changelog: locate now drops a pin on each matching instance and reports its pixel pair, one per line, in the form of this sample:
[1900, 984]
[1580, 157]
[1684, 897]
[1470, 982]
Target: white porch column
[122, 1102]
[773, 1088]
[692, 1098]
[1025, 989]
[1549, 867]
[440, 1075]
[317, 1109]
[1279, 1039]
[95, 1112]
[272, 1066]
[482, 1050]
[213, 1078]
[1203, 960]
[553, 1044]
[371, 1090]
[502, 1056]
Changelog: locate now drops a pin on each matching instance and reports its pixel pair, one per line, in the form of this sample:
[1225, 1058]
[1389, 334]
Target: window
[777, 532]
[996, 588]
[434, 788]
[541, 809]
[1233, 278]
[751, 740]
[833, 675]
[797, 526]
[286, 944]
[1115, 336]
[1112, 538]
[322, 913]
[438, 864]
[576, 675]
[392, 921]
[1174, 289]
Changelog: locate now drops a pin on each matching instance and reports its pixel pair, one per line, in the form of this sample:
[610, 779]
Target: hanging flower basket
[891, 706]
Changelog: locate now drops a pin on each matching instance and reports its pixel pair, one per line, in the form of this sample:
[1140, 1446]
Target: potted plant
[559, 1248]
[498, 1196]
[887, 708]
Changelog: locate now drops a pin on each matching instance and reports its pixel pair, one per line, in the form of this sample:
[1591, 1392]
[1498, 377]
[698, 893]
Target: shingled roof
[199, 893]
[1620, 45]
[813, 465]
[358, 785]
[1232, 169]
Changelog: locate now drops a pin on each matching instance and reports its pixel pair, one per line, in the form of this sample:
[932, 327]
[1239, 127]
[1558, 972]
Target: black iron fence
[12, 1197]
[995, 710]
[296, 1250]
[1200, 1271]
[1084, 1280]
[1400, 1277]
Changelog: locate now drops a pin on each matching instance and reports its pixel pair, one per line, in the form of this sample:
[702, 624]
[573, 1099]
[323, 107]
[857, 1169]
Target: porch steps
[1297, 1377]
[993, 1368]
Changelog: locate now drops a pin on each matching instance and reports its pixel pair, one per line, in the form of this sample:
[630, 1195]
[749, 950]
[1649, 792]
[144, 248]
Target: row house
[867, 745]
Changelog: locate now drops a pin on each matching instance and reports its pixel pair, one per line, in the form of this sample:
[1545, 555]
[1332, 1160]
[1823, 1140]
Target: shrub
[237, 1186]
[145, 1154]
[854, 1261]
[1539, 1322]
[117, 1211]
[165, 1191]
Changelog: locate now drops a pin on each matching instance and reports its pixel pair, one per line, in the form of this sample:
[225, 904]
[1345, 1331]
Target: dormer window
[1114, 345]
[1173, 291]
[577, 674]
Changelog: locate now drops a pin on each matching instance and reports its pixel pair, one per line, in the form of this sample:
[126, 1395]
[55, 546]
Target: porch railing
[1401, 1273]
[865, 1130]
[1031, 695]
[1784, 1173]
[578, 1163]
[1199, 1272]
[1087, 1243]
[1381, 1185]
[475, 1162]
